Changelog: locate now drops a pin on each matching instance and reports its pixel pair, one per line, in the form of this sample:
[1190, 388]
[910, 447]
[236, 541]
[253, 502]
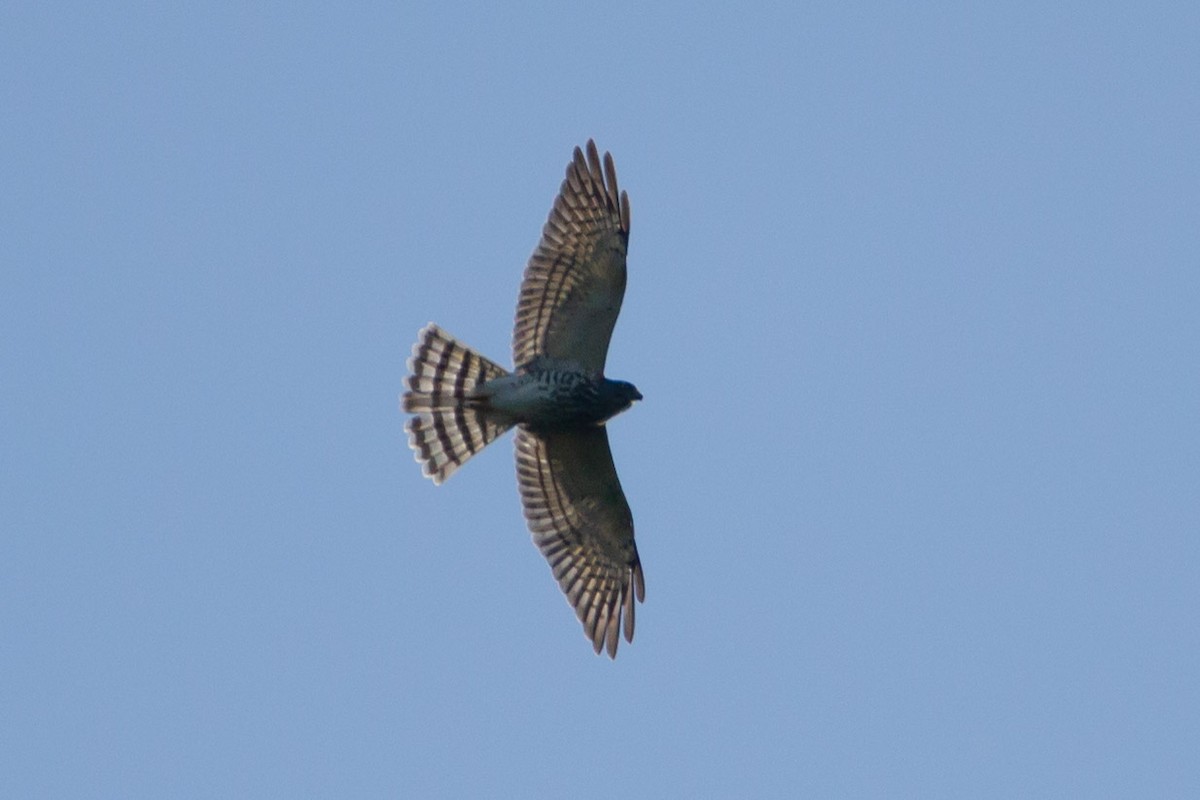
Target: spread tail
[445, 432]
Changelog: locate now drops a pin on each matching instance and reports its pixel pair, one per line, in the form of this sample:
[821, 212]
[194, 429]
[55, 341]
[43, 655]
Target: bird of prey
[556, 396]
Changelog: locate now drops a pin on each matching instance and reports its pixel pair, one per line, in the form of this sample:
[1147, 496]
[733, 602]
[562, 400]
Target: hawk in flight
[557, 397]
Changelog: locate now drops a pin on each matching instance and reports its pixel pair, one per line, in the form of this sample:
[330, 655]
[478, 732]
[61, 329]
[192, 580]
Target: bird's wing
[581, 522]
[575, 281]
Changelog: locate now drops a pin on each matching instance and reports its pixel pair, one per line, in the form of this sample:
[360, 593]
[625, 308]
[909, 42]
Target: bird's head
[618, 396]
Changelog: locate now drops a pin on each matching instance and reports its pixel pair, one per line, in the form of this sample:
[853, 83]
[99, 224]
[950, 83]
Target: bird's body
[558, 398]
[551, 396]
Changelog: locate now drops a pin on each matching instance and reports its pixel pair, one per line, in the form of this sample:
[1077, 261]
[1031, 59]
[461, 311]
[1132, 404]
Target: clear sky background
[914, 302]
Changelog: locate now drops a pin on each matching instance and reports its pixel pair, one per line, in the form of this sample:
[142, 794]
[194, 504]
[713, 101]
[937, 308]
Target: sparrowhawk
[558, 398]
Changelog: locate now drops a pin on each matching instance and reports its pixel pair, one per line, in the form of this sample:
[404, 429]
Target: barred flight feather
[446, 432]
[581, 522]
[575, 281]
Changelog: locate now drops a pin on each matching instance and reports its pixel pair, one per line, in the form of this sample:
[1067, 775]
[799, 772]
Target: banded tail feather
[445, 431]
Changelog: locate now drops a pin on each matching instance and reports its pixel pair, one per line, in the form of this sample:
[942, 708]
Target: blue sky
[912, 300]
